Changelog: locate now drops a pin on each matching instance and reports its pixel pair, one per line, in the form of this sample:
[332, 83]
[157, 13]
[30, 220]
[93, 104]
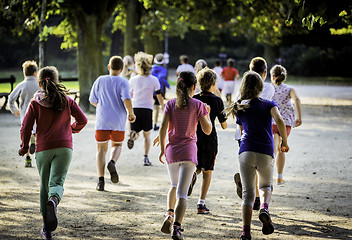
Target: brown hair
[258, 64]
[184, 58]
[116, 63]
[144, 63]
[54, 91]
[185, 82]
[279, 73]
[251, 87]
[29, 68]
[206, 78]
[230, 62]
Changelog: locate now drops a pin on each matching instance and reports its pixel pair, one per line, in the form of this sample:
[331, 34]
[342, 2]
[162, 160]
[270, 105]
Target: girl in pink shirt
[51, 110]
[180, 120]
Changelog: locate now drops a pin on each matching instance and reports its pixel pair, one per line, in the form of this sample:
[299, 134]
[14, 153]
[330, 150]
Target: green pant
[52, 166]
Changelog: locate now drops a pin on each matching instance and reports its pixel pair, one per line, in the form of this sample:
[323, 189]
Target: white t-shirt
[218, 71]
[142, 89]
[268, 91]
[185, 68]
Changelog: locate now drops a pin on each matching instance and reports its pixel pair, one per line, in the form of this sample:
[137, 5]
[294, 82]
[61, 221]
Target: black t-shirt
[210, 142]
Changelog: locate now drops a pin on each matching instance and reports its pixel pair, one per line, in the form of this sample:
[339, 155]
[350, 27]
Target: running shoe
[130, 141]
[176, 233]
[238, 182]
[46, 234]
[245, 238]
[114, 177]
[100, 186]
[146, 161]
[166, 228]
[256, 205]
[202, 209]
[264, 217]
[32, 146]
[51, 218]
[28, 162]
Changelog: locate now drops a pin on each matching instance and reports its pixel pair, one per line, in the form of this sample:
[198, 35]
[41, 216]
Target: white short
[229, 87]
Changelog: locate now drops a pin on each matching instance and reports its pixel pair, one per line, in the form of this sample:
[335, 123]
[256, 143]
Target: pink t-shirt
[182, 130]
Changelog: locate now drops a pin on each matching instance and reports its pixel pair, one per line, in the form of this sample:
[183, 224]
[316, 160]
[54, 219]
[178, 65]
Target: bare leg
[147, 142]
[102, 149]
[115, 153]
[279, 156]
[247, 215]
[180, 209]
[156, 114]
[205, 184]
[256, 185]
[171, 198]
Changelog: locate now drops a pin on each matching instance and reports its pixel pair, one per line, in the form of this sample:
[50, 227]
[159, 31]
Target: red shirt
[54, 128]
[229, 73]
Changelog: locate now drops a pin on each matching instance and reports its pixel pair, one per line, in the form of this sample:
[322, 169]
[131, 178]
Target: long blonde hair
[185, 82]
[251, 87]
[144, 63]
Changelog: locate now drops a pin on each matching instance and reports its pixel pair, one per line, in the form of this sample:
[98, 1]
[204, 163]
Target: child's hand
[298, 122]
[131, 117]
[284, 148]
[207, 107]
[161, 154]
[156, 141]
[22, 151]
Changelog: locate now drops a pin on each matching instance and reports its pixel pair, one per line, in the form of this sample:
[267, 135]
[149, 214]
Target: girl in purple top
[283, 96]
[180, 119]
[254, 116]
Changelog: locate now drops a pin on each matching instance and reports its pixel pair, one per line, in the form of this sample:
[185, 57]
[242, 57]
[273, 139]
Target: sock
[145, 155]
[201, 201]
[177, 224]
[265, 205]
[246, 231]
[112, 161]
[170, 210]
[279, 176]
[101, 179]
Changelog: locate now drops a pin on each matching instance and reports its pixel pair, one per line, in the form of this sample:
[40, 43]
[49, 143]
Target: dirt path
[315, 203]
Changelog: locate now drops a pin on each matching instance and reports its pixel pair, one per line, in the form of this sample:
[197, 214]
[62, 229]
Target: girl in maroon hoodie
[51, 110]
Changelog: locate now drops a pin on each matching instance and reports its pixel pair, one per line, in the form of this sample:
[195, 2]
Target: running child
[143, 87]
[128, 67]
[230, 75]
[254, 116]
[207, 145]
[180, 120]
[218, 69]
[184, 66]
[24, 91]
[161, 73]
[284, 94]
[110, 94]
[258, 65]
[51, 109]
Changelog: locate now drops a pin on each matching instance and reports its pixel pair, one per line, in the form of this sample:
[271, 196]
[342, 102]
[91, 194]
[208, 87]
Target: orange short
[276, 130]
[106, 135]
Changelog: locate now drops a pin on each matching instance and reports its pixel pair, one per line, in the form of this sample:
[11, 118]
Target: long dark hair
[280, 74]
[185, 82]
[48, 79]
[251, 87]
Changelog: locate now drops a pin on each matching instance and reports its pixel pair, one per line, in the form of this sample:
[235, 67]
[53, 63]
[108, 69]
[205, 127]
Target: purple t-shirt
[257, 130]
[182, 135]
[110, 92]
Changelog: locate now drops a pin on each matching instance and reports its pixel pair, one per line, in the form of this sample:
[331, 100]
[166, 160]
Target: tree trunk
[152, 44]
[132, 36]
[89, 53]
[116, 43]
[41, 41]
[270, 54]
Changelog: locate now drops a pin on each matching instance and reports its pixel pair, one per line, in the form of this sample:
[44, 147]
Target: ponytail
[54, 91]
[279, 73]
[185, 81]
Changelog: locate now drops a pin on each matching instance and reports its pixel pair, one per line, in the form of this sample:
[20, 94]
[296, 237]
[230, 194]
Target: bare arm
[298, 107]
[162, 136]
[161, 101]
[128, 104]
[205, 122]
[282, 128]
[94, 104]
[223, 125]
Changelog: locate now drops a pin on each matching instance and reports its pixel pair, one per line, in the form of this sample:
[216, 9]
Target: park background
[312, 39]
